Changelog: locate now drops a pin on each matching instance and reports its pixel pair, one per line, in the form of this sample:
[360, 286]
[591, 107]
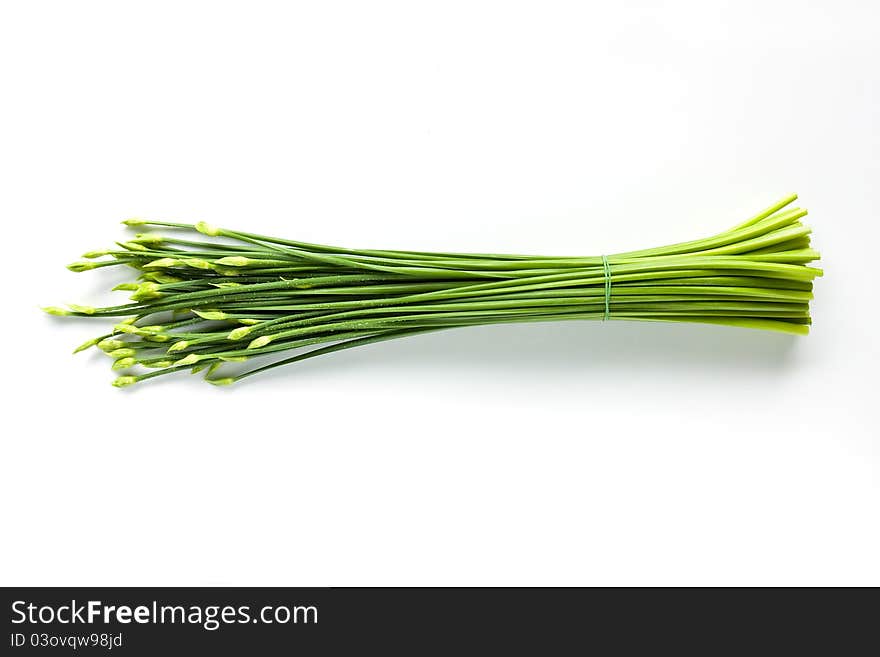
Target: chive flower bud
[133, 246]
[108, 345]
[163, 262]
[207, 229]
[189, 359]
[122, 352]
[123, 363]
[197, 263]
[234, 261]
[239, 333]
[81, 265]
[148, 290]
[211, 314]
[85, 345]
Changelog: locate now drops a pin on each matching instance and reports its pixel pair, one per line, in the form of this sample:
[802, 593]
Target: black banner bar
[315, 621]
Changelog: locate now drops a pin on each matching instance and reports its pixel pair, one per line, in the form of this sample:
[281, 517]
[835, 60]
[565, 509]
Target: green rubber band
[607, 268]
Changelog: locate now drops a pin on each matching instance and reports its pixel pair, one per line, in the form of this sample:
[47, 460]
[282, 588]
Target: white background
[575, 453]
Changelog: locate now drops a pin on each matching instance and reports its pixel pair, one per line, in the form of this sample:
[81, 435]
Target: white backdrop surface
[577, 453]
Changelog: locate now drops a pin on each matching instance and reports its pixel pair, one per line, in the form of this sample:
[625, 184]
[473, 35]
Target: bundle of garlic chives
[198, 303]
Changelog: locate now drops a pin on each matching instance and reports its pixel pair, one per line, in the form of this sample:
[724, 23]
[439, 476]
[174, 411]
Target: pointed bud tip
[191, 359]
[207, 229]
[122, 352]
[122, 381]
[162, 277]
[163, 262]
[159, 364]
[55, 310]
[262, 341]
[239, 333]
[234, 261]
[144, 291]
[135, 221]
[221, 382]
[82, 265]
[133, 246]
[197, 263]
[211, 314]
[122, 327]
[148, 238]
[85, 310]
[109, 344]
[87, 344]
